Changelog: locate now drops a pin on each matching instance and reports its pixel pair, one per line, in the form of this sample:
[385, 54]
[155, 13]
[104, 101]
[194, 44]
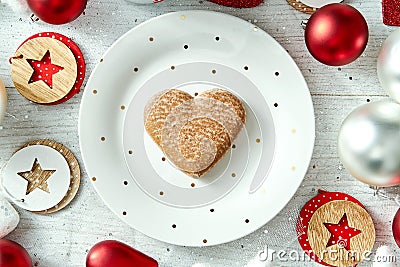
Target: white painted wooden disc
[22, 161]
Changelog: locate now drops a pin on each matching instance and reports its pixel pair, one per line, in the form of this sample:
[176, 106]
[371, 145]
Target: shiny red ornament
[396, 227]
[57, 11]
[112, 253]
[13, 255]
[336, 34]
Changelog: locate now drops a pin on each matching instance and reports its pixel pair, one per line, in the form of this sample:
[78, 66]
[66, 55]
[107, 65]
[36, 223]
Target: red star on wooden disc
[341, 233]
[43, 70]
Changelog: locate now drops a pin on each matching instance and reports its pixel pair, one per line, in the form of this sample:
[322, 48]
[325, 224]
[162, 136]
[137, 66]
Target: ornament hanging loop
[353, 262]
[34, 18]
[15, 57]
[304, 23]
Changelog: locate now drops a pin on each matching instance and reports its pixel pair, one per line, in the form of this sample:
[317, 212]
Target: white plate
[233, 55]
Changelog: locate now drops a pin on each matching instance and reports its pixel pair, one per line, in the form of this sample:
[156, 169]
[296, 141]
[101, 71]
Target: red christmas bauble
[57, 11]
[112, 253]
[336, 34]
[13, 255]
[396, 227]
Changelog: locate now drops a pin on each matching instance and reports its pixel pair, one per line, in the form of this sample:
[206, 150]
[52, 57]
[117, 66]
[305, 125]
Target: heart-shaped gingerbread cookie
[194, 132]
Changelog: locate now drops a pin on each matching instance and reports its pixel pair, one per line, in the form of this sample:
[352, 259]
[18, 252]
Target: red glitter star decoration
[238, 3]
[391, 12]
[341, 233]
[43, 70]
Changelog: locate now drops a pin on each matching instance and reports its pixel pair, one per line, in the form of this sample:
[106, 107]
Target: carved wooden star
[37, 178]
[43, 70]
[341, 233]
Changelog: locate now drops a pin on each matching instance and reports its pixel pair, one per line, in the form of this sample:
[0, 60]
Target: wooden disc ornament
[310, 6]
[334, 229]
[36, 178]
[43, 176]
[3, 100]
[301, 7]
[74, 168]
[48, 68]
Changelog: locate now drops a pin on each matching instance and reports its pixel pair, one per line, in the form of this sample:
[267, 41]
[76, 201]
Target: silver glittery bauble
[369, 143]
[389, 65]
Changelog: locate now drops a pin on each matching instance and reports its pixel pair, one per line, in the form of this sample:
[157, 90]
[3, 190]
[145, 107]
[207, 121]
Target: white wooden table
[64, 238]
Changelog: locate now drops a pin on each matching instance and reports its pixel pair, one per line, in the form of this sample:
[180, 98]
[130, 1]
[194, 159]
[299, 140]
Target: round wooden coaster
[302, 7]
[341, 233]
[49, 56]
[74, 169]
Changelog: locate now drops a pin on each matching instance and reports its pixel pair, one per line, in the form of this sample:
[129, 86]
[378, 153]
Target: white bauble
[9, 217]
[383, 257]
[388, 65]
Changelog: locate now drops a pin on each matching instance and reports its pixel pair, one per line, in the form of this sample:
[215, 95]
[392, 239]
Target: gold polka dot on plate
[74, 169]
